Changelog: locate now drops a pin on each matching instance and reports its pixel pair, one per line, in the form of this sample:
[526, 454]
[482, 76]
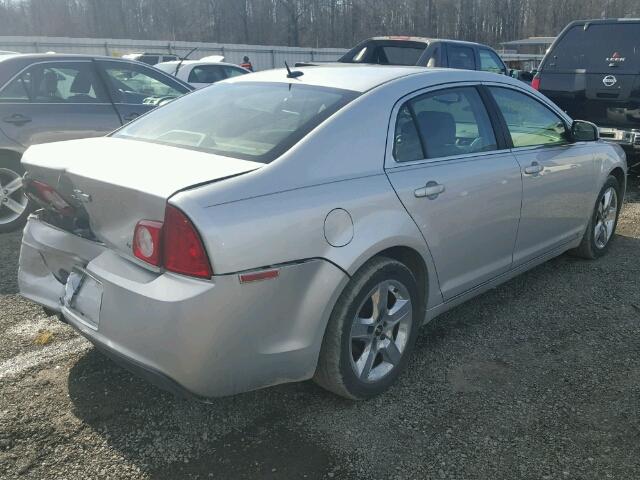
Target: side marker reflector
[258, 276]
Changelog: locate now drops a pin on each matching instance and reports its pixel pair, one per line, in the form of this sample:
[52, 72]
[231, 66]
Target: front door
[558, 175]
[57, 100]
[460, 188]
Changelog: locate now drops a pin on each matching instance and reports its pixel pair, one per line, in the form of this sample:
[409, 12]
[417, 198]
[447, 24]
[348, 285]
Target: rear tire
[371, 332]
[603, 222]
[14, 205]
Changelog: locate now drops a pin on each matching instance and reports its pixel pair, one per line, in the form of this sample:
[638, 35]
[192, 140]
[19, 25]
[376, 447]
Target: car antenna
[292, 74]
[175, 74]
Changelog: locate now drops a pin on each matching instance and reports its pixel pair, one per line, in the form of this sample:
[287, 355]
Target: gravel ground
[539, 379]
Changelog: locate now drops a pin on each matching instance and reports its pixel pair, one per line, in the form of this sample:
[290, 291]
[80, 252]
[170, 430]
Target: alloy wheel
[13, 202]
[380, 331]
[606, 215]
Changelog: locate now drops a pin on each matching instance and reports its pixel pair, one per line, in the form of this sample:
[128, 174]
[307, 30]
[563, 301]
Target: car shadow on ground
[497, 350]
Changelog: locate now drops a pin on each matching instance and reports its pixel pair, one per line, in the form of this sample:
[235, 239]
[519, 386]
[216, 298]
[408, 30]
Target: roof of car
[361, 78]
[198, 62]
[421, 39]
[53, 56]
[604, 20]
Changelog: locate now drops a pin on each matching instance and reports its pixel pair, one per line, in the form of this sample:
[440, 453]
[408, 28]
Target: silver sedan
[284, 226]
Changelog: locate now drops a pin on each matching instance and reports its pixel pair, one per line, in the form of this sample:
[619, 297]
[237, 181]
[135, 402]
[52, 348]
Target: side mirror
[582, 131]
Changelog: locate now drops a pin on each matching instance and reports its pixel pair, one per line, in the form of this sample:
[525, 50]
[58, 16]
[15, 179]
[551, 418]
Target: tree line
[306, 23]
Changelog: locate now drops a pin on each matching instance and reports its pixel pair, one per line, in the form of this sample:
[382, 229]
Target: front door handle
[17, 119]
[431, 190]
[534, 168]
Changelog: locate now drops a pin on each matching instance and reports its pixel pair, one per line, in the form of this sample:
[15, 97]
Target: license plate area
[83, 297]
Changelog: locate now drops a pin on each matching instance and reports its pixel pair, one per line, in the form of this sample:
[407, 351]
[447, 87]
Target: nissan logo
[609, 81]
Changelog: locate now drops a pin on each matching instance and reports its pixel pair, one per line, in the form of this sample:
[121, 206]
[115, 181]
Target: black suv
[425, 52]
[592, 71]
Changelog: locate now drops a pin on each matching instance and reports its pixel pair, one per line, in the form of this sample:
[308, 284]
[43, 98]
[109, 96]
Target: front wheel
[604, 220]
[371, 332]
[14, 205]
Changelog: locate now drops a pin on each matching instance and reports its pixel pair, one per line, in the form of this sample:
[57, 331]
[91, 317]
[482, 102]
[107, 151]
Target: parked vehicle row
[48, 98]
[313, 221]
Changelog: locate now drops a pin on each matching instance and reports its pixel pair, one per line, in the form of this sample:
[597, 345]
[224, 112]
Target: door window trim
[566, 120]
[391, 163]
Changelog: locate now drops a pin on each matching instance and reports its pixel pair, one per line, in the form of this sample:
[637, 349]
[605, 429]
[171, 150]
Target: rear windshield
[386, 53]
[600, 48]
[252, 121]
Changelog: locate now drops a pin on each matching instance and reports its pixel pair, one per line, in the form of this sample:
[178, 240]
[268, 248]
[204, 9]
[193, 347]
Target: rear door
[593, 73]
[460, 185]
[57, 100]
[136, 88]
[557, 175]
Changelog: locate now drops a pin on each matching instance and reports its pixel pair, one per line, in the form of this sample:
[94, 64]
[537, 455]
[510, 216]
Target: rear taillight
[47, 196]
[147, 242]
[183, 249]
[535, 83]
[174, 245]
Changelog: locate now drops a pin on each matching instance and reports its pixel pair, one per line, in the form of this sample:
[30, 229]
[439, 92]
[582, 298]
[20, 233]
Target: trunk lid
[114, 183]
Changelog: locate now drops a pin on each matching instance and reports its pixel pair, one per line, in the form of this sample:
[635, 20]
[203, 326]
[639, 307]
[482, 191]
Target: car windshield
[598, 48]
[252, 121]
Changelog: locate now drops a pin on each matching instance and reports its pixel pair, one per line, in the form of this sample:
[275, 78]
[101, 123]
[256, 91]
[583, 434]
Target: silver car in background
[278, 227]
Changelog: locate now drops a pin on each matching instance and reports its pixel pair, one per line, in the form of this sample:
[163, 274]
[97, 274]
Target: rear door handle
[130, 117]
[534, 168]
[17, 119]
[431, 190]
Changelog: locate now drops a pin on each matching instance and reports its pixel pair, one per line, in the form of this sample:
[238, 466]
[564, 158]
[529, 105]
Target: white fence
[262, 57]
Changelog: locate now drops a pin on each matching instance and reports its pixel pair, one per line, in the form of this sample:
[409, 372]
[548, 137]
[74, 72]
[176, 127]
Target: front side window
[489, 62]
[136, 84]
[252, 121]
[530, 123]
[461, 57]
[449, 122]
[58, 82]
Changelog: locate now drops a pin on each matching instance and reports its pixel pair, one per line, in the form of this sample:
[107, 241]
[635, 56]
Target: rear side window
[252, 121]
[461, 57]
[397, 55]
[489, 61]
[233, 72]
[530, 123]
[599, 48]
[206, 74]
[57, 82]
[443, 123]
[149, 59]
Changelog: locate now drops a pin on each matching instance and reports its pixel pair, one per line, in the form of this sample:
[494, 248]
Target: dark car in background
[49, 97]
[592, 71]
[426, 52]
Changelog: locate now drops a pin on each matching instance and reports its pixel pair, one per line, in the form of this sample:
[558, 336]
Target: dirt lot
[537, 379]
